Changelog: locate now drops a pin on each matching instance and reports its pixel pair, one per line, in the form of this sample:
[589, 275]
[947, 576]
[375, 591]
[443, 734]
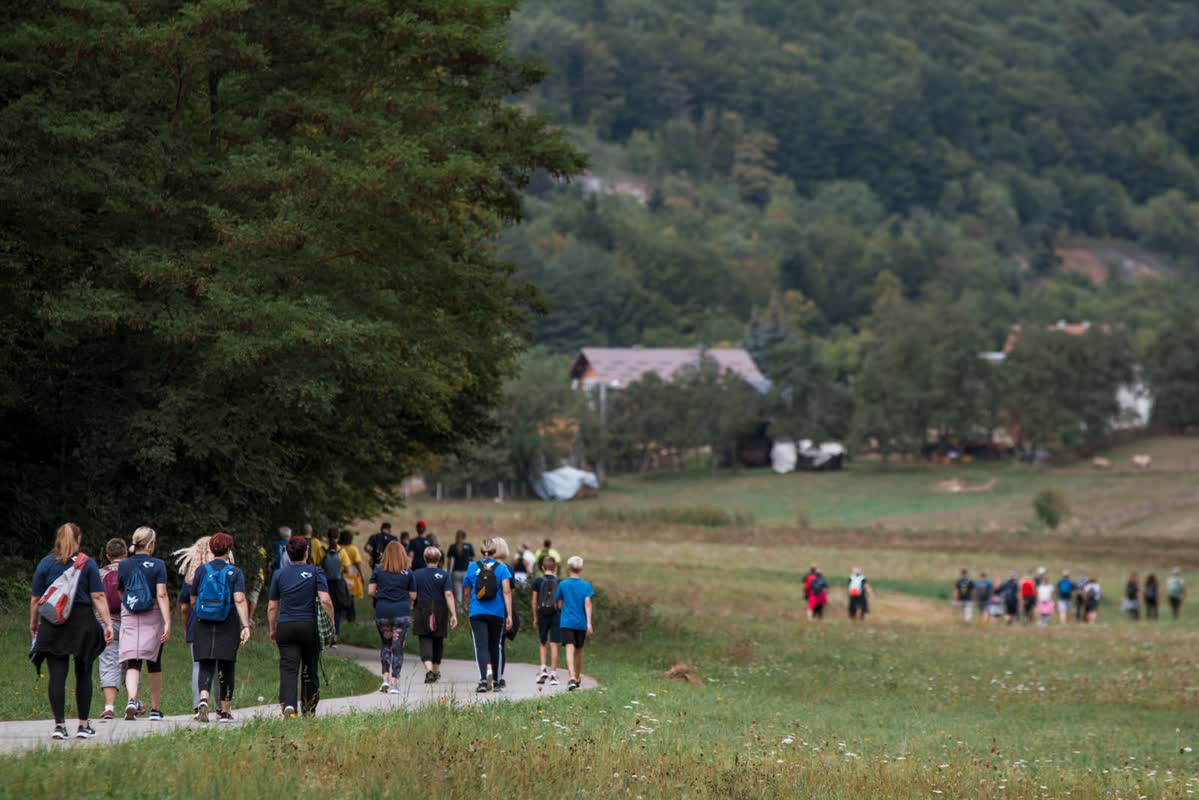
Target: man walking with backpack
[487, 596]
[817, 588]
[546, 617]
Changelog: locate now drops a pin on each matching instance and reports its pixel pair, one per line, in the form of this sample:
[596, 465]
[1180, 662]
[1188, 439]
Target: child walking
[574, 604]
[545, 618]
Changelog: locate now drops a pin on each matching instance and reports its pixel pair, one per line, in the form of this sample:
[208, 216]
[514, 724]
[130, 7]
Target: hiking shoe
[436, 675]
[503, 684]
[202, 711]
[107, 715]
[131, 711]
[156, 715]
[554, 679]
[484, 686]
[289, 712]
[543, 676]
[224, 716]
[85, 732]
[60, 732]
[430, 677]
[385, 688]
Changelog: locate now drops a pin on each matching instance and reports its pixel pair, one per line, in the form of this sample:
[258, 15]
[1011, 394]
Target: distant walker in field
[1176, 590]
[964, 595]
[859, 595]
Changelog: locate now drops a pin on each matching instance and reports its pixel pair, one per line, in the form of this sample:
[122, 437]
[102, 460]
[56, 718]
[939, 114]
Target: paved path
[457, 684]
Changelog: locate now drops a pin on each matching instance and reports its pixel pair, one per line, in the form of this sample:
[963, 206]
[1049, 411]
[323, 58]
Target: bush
[1051, 507]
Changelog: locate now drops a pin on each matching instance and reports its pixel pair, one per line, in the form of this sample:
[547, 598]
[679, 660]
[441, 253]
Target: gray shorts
[110, 660]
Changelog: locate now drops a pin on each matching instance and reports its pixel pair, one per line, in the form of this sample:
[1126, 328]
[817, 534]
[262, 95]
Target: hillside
[765, 154]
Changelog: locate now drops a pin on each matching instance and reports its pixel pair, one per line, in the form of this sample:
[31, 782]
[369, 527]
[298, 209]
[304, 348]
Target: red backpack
[111, 579]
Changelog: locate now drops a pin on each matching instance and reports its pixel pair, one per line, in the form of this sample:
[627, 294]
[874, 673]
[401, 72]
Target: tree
[245, 255]
[1172, 369]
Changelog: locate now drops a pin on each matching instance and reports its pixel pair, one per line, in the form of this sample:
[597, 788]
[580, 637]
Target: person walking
[352, 571]
[1046, 592]
[377, 543]
[416, 547]
[1065, 594]
[546, 618]
[1092, 594]
[187, 561]
[110, 660]
[222, 625]
[1176, 590]
[316, 548]
[859, 595]
[984, 589]
[291, 613]
[1028, 597]
[487, 600]
[77, 638]
[964, 595]
[808, 577]
[330, 564]
[1150, 594]
[547, 549]
[391, 586]
[461, 556]
[145, 621]
[1132, 597]
[434, 611]
[817, 596]
[575, 607]
[1009, 590]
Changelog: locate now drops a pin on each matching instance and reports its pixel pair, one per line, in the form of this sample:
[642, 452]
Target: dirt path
[457, 685]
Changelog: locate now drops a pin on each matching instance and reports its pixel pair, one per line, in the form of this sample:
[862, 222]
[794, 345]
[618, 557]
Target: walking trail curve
[457, 684]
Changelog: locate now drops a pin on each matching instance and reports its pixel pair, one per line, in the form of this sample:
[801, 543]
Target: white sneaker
[385, 687]
[554, 679]
[394, 690]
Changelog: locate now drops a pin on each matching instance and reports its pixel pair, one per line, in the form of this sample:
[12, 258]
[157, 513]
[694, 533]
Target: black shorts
[857, 604]
[573, 636]
[548, 631]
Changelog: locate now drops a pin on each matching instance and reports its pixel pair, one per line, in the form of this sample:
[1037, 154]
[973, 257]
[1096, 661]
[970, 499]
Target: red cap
[420, 525]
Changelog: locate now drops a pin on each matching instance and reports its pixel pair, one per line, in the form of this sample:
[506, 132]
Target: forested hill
[809, 146]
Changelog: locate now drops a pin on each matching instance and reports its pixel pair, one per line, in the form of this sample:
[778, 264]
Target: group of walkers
[816, 593]
[120, 613]
[1036, 597]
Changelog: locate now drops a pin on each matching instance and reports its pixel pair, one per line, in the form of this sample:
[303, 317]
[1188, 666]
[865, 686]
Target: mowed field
[912, 703]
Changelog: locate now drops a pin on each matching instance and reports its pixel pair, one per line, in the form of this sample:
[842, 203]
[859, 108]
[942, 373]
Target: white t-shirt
[1045, 593]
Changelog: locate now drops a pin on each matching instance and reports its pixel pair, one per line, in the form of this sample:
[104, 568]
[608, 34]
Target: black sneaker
[60, 732]
[155, 715]
[430, 676]
[202, 711]
[224, 716]
[543, 677]
[85, 732]
[571, 685]
[503, 684]
[482, 687]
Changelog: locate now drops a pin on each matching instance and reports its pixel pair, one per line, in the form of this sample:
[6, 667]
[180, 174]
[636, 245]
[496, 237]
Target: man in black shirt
[416, 547]
[378, 542]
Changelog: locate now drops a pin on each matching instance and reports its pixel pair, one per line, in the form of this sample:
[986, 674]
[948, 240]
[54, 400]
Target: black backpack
[487, 587]
[547, 594]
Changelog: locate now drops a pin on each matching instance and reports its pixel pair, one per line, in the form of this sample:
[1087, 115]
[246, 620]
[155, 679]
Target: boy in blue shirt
[574, 618]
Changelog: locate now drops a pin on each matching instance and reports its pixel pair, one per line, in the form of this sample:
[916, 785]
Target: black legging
[152, 666]
[431, 648]
[488, 632]
[299, 660]
[58, 666]
[224, 670]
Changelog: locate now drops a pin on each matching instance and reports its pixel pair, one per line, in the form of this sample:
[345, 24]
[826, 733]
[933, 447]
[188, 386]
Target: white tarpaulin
[564, 483]
[783, 457]
[788, 456]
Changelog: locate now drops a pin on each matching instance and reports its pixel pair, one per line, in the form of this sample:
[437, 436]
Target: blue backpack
[137, 598]
[214, 601]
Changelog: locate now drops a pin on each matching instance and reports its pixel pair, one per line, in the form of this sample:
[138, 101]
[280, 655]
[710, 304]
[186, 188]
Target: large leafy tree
[246, 260]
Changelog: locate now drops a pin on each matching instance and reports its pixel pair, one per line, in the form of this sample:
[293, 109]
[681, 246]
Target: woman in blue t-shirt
[78, 638]
[391, 583]
[145, 621]
[291, 612]
[488, 603]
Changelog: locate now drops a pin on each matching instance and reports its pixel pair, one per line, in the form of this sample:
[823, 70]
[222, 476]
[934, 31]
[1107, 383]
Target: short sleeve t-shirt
[461, 556]
[235, 577]
[391, 594]
[573, 592]
[49, 569]
[295, 587]
[495, 606]
[431, 584]
[154, 570]
[416, 549]
[983, 590]
[378, 543]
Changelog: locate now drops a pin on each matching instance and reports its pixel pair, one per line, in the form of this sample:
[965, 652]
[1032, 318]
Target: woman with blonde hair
[487, 599]
[79, 637]
[391, 586]
[434, 611]
[145, 621]
[187, 561]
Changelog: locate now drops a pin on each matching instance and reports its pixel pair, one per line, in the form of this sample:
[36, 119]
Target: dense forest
[790, 152]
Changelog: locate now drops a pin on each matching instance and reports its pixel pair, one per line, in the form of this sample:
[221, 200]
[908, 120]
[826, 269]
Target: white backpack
[55, 605]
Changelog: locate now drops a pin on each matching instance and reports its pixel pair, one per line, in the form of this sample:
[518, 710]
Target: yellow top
[351, 569]
[316, 550]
